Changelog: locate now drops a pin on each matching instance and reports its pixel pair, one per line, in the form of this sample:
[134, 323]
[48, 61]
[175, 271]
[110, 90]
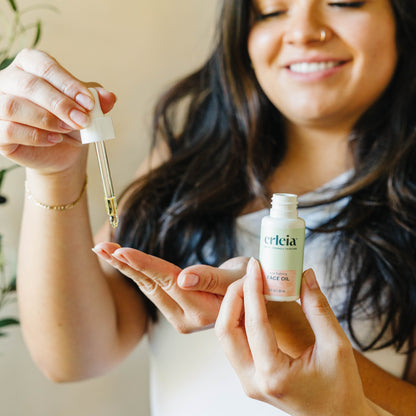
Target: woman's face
[323, 62]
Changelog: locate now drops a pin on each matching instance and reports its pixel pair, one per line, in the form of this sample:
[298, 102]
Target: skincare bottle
[282, 242]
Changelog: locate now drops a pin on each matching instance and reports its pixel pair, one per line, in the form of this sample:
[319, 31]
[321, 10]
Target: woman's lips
[314, 70]
[311, 67]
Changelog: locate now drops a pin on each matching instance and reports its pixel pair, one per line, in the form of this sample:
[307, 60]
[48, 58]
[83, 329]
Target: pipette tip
[111, 205]
[114, 221]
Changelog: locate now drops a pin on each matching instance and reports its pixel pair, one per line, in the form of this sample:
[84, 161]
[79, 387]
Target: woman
[289, 101]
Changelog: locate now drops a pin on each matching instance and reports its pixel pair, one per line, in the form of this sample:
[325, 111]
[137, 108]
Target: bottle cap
[284, 205]
[285, 199]
[101, 126]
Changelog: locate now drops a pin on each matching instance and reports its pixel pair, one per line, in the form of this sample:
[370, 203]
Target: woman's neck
[313, 157]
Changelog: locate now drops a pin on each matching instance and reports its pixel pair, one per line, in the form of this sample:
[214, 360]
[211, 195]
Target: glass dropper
[99, 130]
[109, 196]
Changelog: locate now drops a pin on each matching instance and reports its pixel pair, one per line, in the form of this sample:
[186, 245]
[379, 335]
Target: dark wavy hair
[226, 138]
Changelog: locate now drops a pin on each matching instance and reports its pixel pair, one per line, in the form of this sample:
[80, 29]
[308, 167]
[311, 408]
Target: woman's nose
[306, 25]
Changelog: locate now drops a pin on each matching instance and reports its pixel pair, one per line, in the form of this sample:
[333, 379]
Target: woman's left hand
[163, 283]
[323, 380]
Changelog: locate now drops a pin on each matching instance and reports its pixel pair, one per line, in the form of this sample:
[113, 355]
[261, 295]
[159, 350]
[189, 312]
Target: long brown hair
[231, 139]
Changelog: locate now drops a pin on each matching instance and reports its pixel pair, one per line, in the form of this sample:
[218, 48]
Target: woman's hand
[187, 310]
[41, 108]
[323, 380]
[287, 318]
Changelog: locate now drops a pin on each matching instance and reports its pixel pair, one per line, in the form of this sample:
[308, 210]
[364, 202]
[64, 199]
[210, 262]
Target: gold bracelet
[55, 207]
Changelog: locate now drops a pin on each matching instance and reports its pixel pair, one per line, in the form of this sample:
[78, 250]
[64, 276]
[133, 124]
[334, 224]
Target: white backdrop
[135, 48]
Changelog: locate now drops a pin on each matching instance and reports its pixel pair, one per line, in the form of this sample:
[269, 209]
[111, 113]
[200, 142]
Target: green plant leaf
[8, 321]
[13, 5]
[38, 33]
[2, 173]
[12, 285]
[6, 62]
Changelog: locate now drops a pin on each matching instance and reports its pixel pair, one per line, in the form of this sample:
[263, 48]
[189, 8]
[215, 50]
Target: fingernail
[310, 279]
[251, 266]
[85, 101]
[102, 253]
[80, 118]
[188, 280]
[120, 257]
[64, 126]
[55, 138]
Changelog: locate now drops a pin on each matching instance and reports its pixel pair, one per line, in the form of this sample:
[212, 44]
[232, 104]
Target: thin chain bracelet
[55, 207]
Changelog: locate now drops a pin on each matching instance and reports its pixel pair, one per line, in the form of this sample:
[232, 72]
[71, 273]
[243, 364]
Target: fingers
[327, 330]
[44, 66]
[24, 84]
[13, 134]
[230, 330]
[266, 353]
[159, 271]
[44, 95]
[107, 98]
[213, 279]
[244, 330]
[147, 271]
[19, 110]
[130, 262]
[186, 311]
[41, 104]
[58, 100]
[46, 129]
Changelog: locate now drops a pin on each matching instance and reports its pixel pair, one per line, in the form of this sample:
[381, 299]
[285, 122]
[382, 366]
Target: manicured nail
[65, 126]
[120, 257]
[310, 278]
[85, 101]
[102, 253]
[188, 280]
[80, 118]
[55, 138]
[251, 266]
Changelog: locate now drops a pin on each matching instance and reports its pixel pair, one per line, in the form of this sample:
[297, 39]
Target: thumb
[107, 98]
[213, 279]
[322, 319]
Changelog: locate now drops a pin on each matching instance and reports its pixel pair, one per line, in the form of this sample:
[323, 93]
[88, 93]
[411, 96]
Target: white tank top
[190, 375]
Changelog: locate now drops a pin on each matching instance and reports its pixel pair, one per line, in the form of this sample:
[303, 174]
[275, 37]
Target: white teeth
[308, 67]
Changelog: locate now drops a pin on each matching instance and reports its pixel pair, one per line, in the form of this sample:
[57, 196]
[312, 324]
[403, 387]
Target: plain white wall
[136, 48]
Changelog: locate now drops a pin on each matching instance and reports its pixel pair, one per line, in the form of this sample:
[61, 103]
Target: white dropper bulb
[101, 127]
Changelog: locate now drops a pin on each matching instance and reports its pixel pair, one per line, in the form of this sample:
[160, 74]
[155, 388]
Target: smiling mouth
[311, 67]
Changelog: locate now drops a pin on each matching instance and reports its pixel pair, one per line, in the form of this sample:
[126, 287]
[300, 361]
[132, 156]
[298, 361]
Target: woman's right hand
[42, 107]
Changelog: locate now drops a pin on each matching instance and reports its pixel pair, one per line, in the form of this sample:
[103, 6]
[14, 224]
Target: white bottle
[281, 249]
